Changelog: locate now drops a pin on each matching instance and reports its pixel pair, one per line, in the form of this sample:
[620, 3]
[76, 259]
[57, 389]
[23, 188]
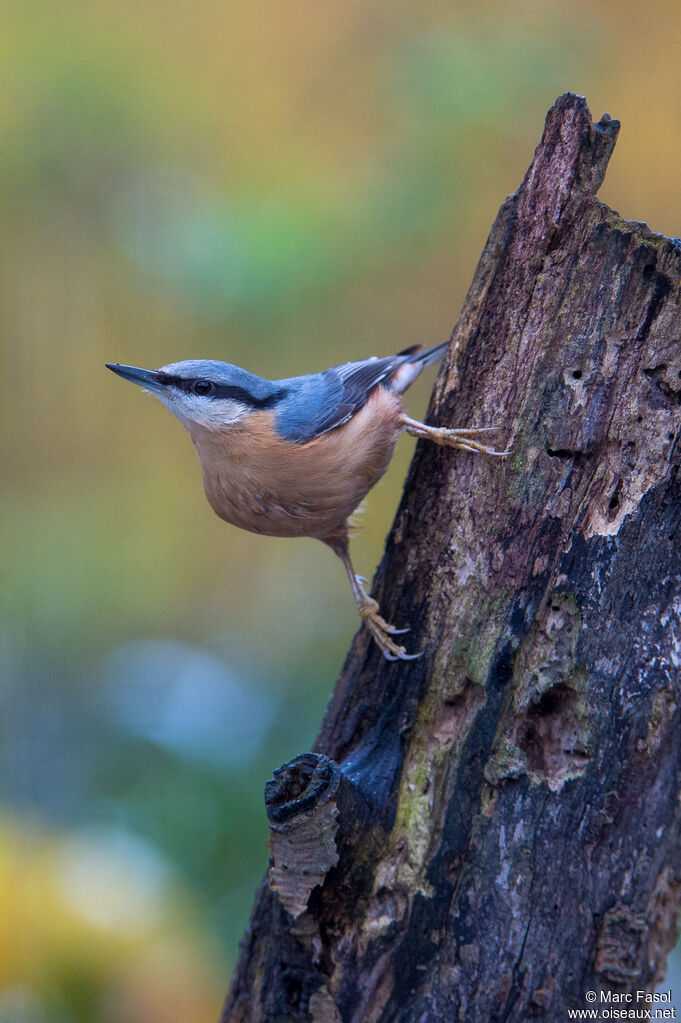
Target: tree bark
[491, 831]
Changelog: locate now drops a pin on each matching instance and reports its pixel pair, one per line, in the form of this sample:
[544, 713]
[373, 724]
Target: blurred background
[281, 185]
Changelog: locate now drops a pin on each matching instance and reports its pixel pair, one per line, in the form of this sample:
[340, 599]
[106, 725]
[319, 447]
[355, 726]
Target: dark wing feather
[358, 380]
[319, 403]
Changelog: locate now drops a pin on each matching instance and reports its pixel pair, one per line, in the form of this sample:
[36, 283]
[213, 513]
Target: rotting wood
[523, 778]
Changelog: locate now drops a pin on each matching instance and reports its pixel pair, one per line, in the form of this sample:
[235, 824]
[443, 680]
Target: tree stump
[491, 831]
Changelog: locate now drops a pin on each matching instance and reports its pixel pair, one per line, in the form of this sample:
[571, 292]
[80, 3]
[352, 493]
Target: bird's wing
[322, 402]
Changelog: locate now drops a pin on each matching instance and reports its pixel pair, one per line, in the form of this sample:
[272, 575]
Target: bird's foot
[465, 438]
[382, 631]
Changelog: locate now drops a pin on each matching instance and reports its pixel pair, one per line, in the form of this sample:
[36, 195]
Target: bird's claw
[464, 438]
[382, 631]
[401, 655]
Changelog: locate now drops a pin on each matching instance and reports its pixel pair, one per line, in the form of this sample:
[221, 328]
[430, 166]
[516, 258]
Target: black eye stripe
[223, 391]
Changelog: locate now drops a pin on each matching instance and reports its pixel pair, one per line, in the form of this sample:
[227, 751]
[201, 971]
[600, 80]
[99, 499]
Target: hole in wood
[616, 499]
[566, 454]
[551, 736]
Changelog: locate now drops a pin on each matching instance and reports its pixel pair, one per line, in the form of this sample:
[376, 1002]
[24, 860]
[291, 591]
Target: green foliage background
[280, 185]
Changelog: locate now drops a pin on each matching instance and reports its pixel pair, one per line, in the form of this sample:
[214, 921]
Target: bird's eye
[202, 387]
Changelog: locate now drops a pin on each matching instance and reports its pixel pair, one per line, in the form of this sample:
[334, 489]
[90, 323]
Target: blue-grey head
[205, 393]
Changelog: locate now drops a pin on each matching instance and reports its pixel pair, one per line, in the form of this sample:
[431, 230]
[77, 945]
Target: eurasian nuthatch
[295, 457]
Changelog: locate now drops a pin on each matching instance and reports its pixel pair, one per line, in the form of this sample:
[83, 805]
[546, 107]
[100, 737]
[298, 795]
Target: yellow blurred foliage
[83, 932]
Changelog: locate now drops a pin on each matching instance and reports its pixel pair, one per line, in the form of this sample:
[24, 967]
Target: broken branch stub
[314, 812]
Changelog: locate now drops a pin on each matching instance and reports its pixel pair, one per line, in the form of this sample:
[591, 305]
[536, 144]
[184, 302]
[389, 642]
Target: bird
[295, 457]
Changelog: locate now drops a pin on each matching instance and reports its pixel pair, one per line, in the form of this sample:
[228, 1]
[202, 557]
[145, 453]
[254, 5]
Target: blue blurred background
[281, 185]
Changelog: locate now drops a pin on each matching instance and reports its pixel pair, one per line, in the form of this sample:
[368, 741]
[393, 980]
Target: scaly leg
[368, 610]
[465, 439]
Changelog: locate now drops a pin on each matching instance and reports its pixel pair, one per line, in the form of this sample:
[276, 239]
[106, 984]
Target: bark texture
[502, 831]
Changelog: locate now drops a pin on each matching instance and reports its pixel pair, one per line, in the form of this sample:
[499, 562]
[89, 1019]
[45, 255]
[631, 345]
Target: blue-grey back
[306, 404]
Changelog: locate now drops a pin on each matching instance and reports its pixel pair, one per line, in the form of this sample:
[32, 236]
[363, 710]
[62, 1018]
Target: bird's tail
[430, 355]
[416, 360]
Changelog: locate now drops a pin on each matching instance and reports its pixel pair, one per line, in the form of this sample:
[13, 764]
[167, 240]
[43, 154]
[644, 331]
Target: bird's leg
[465, 439]
[369, 611]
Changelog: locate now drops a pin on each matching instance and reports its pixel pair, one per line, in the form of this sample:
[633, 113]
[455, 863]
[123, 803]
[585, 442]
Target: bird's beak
[148, 378]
